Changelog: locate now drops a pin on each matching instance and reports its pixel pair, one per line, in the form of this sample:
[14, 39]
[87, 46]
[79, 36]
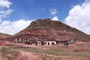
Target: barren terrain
[77, 51]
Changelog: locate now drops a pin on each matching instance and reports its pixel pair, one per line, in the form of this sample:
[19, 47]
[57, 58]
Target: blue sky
[35, 9]
[16, 15]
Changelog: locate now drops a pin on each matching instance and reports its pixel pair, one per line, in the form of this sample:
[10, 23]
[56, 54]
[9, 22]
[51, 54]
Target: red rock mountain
[52, 30]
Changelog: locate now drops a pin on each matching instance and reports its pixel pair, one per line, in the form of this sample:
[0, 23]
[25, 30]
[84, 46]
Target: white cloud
[5, 9]
[12, 27]
[79, 17]
[53, 11]
[5, 4]
[55, 18]
[5, 13]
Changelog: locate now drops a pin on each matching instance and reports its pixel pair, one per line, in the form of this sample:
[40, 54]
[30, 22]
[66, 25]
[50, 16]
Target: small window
[53, 44]
[39, 43]
[48, 43]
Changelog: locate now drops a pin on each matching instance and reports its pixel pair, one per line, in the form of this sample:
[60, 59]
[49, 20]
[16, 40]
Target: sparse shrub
[9, 54]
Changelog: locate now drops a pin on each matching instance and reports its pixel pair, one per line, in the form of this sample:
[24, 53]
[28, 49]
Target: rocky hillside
[53, 30]
[2, 36]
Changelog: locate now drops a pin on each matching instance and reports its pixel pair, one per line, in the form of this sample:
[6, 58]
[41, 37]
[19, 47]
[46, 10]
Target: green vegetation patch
[9, 54]
[56, 52]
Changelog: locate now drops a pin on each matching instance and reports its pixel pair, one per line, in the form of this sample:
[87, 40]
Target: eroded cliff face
[53, 30]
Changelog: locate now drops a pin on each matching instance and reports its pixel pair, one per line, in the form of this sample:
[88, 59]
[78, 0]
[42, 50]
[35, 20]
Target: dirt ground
[77, 51]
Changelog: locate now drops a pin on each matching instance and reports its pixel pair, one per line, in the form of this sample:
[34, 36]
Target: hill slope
[53, 30]
[2, 35]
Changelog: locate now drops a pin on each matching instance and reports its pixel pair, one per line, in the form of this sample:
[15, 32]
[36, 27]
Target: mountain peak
[45, 24]
[51, 29]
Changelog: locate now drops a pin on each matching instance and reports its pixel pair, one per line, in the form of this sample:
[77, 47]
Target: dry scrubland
[79, 51]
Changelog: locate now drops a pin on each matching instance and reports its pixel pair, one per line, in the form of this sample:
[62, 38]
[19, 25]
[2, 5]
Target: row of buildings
[43, 41]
